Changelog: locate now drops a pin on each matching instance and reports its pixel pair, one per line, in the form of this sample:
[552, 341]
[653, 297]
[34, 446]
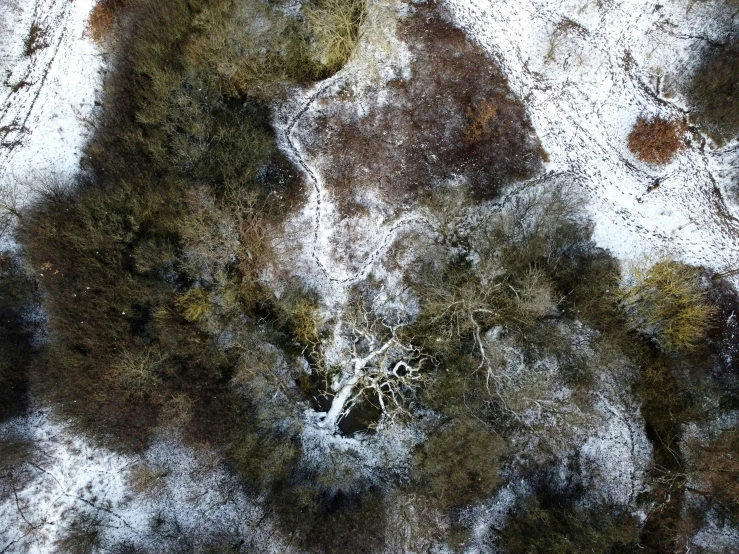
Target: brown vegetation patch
[35, 39]
[102, 19]
[455, 117]
[656, 140]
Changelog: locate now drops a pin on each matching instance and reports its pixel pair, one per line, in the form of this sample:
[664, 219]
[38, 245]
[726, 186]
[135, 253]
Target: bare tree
[381, 367]
[10, 205]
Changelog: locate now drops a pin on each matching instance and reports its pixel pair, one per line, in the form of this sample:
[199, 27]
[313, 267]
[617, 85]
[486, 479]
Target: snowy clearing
[586, 71]
[50, 74]
[156, 500]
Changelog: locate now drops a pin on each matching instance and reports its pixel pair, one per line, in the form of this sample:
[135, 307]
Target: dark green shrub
[714, 91]
[459, 464]
[551, 525]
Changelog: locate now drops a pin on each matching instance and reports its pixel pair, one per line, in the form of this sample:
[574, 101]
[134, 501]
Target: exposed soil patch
[453, 117]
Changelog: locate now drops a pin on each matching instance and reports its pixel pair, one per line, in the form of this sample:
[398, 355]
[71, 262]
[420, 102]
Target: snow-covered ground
[46, 97]
[157, 500]
[586, 70]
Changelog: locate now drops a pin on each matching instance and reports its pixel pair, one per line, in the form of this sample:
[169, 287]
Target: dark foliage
[550, 523]
[17, 298]
[714, 90]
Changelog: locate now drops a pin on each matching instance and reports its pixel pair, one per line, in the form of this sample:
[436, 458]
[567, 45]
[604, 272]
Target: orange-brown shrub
[656, 140]
[102, 19]
[481, 117]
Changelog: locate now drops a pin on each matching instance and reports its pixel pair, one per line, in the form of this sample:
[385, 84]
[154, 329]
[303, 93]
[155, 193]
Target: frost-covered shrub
[335, 26]
[666, 303]
[656, 140]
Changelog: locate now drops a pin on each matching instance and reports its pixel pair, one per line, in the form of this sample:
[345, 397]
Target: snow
[615, 458]
[46, 99]
[186, 492]
[716, 536]
[355, 463]
[485, 519]
[585, 87]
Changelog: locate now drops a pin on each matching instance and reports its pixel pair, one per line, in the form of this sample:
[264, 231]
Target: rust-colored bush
[102, 19]
[656, 140]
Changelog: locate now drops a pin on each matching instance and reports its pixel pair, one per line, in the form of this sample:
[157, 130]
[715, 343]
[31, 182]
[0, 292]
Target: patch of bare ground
[656, 140]
[454, 117]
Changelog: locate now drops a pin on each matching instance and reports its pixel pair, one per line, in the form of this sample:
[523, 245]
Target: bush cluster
[553, 522]
[163, 242]
[667, 304]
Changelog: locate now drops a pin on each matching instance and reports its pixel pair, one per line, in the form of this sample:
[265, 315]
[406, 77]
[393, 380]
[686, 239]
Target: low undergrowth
[551, 521]
[18, 298]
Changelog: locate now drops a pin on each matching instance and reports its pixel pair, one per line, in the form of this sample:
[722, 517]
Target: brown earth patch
[455, 117]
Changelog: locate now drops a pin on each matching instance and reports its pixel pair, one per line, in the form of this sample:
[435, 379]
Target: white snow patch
[717, 537]
[365, 459]
[47, 98]
[187, 493]
[615, 458]
[488, 518]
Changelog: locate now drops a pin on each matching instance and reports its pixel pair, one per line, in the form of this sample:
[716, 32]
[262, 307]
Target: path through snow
[46, 97]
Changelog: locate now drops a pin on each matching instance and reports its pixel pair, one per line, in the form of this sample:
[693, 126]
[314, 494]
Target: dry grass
[656, 140]
[481, 117]
[336, 26]
[666, 304]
